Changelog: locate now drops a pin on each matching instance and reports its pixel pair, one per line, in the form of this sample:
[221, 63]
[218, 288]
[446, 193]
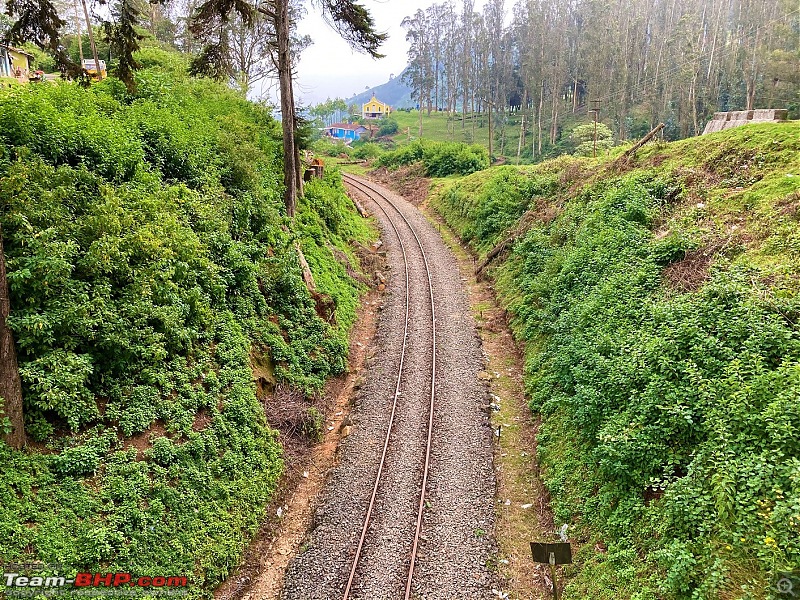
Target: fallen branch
[308, 278]
[631, 151]
[499, 249]
[502, 247]
[361, 210]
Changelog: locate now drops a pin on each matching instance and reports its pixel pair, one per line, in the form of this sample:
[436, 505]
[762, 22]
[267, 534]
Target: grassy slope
[148, 260]
[659, 304]
[444, 128]
[437, 127]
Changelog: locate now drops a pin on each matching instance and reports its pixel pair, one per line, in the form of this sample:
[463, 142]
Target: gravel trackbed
[456, 541]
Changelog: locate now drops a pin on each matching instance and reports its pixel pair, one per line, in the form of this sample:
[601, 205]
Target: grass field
[451, 128]
[474, 128]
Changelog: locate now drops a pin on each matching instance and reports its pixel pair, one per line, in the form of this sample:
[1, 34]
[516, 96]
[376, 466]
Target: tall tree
[250, 49]
[646, 61]
[419, 59]
[353, 22]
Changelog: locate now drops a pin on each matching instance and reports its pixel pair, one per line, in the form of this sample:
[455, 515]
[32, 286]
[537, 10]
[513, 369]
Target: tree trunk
[91, 41]
[541, 107]
[10, 384]
[80, 32]
[419, 132]
[489, 102]
[287, 106]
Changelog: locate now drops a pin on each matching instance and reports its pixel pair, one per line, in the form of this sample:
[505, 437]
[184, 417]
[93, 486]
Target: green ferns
[670, 416]
[148, 256]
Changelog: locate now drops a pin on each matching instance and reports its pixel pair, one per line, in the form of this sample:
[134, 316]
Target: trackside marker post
[552, 554]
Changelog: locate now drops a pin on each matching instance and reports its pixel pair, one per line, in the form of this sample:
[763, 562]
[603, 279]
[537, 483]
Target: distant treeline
[675, 61]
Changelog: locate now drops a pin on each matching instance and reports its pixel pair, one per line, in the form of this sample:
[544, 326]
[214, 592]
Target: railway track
[391, 211]
[408, 511]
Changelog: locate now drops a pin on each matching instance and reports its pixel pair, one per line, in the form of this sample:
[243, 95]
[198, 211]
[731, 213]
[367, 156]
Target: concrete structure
[736, 118]
[345, 131]
[375, 109]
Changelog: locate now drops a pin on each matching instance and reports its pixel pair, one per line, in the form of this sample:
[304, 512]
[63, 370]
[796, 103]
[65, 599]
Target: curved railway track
[408, 510]
[380, 201]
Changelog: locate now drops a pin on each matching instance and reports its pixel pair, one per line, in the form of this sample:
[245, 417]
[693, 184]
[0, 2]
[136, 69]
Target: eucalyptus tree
[417, 74]
[645, 61]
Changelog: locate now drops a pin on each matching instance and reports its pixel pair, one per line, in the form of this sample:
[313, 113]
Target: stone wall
[735, 118]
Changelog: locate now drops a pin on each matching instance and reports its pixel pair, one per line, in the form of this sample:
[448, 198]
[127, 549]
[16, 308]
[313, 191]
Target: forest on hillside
[639, 62]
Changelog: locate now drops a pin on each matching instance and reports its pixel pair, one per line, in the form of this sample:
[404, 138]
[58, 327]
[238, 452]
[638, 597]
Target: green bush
[440, 159]
[367, 150]
[330, 147]
[388, 126]
[150, 57]
[42, 61]
[148, 255]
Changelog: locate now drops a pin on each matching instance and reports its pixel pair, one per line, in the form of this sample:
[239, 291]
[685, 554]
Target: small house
[375, 109]
[15, 63]
[345, 131]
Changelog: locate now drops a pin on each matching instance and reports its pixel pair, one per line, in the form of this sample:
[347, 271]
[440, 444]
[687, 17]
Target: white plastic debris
[562, 533]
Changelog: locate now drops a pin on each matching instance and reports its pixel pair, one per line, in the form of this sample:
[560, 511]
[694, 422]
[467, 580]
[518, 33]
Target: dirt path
[522, 503]
[457, 546]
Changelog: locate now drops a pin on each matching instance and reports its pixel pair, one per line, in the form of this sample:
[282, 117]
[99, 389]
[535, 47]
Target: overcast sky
[329, 68]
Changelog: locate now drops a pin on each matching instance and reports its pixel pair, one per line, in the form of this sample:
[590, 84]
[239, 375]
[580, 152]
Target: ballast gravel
[457, 539]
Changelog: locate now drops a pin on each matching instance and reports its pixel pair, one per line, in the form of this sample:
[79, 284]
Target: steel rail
[371, 506]
[372, 192]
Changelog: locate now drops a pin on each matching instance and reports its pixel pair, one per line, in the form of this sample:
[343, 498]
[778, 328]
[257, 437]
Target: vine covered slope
[151, 266]
[659, 305]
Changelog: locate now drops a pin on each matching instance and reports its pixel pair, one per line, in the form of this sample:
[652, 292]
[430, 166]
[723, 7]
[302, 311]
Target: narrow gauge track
[378, 198]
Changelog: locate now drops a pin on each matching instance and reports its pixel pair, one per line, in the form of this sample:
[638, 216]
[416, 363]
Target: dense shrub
[330, 147]
[388, 126]
[589, 138]
[148, 256]
[440, 159]
[366, 150]
[669, 417]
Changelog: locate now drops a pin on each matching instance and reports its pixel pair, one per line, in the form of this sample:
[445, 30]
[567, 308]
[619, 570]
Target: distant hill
[394, 92]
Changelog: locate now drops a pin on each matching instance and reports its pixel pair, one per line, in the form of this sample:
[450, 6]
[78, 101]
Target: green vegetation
[150, 260]
[474, 129]
[330, 147]
[439, 126]
[440, 159]
[388, 126]
[583, 136]
[660, 308]
[366, 150]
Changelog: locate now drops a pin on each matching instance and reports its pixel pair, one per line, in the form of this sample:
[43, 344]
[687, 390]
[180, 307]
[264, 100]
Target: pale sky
[329, 68]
